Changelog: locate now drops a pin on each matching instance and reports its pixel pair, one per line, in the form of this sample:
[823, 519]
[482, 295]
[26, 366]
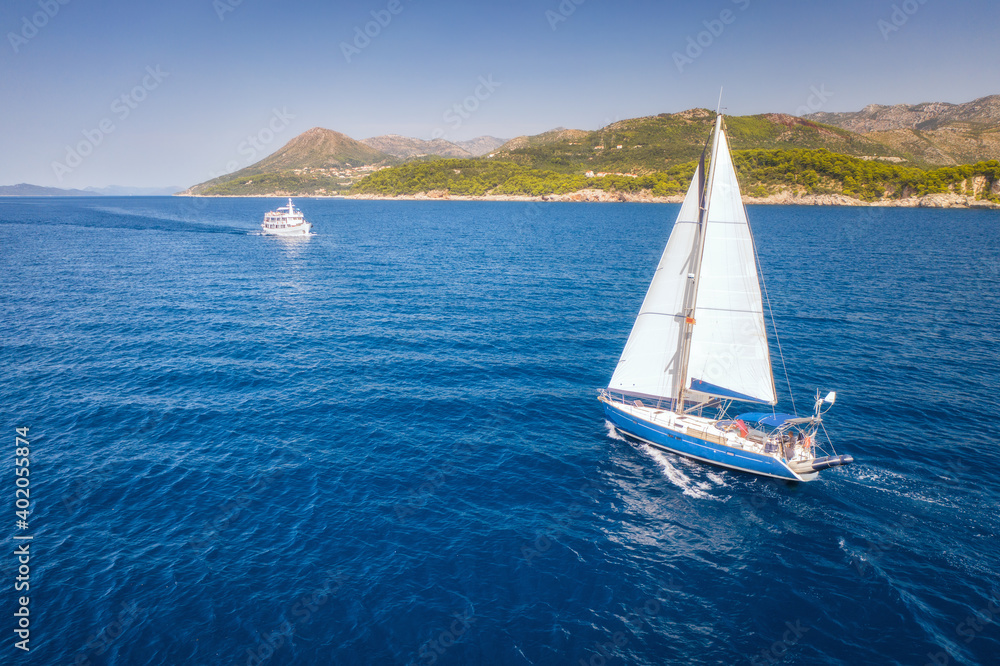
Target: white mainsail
[729, 355]
[650, 363]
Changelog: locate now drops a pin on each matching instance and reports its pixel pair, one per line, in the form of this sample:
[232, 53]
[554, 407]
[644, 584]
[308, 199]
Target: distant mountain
[28, 190]
[926, 116]
[319, 148]
[324, 162]
[481, 145]
[404, 147]
[656, 143]
[123, 191]
[934, 133]
[318, 161]
[535, 140]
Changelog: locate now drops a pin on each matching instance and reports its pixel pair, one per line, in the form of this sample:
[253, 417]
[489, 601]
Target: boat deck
[699, 427]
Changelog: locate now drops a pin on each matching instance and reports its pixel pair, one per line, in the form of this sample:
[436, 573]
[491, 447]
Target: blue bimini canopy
[766, 418]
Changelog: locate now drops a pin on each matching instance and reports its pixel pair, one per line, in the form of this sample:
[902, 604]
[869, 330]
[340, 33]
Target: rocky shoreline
[601, 196]
[783, 198]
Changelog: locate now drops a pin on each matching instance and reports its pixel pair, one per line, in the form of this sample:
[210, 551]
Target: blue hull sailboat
[699, 344]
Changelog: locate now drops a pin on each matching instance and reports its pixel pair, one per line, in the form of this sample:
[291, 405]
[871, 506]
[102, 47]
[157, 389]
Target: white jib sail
[650, 363]
[729, 353]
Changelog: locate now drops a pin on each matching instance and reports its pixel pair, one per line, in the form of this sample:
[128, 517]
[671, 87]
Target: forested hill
[761, 172]
[654, 143]
[779, 153]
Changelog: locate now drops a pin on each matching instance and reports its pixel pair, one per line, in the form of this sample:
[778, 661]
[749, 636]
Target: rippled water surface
[381, 444]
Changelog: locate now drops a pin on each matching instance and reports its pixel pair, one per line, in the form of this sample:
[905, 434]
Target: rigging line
[827, 435]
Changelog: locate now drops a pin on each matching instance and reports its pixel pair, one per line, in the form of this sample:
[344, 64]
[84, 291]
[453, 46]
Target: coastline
[949, 200]
[782, 198]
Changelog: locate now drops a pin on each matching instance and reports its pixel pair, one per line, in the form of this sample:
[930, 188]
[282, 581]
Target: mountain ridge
[405, 147]
[481, 145]
[318, 156]
[30, 190]
[926, 115]
[324, 162]
[933, 133]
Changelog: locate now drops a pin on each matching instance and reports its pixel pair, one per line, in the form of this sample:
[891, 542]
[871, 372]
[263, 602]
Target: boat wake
[671, 469]
[716, 479]
[613, 432]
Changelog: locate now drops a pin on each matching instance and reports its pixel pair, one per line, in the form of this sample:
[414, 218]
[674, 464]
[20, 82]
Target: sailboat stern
[819, 464]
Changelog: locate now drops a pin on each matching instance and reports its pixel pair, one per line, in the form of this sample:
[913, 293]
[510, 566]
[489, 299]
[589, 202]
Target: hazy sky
[153, 93]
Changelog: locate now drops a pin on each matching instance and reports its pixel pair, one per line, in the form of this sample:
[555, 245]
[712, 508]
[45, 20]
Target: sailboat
[699, 345]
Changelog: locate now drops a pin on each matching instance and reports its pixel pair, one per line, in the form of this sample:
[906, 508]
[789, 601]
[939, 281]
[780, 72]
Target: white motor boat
[286, 221]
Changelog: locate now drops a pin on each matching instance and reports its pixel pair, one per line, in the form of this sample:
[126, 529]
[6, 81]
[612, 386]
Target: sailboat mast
[692, 292]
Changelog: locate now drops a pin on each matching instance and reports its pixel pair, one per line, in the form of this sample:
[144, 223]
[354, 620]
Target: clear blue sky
[220, 81]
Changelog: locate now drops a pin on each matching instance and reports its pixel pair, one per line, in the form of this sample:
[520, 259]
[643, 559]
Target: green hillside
[761, 172]
[318, 161]
[653, 154]
[281, 183]
[654, 143]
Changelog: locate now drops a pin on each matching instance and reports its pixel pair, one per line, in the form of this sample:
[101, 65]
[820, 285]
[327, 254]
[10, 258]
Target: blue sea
[381, 444]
